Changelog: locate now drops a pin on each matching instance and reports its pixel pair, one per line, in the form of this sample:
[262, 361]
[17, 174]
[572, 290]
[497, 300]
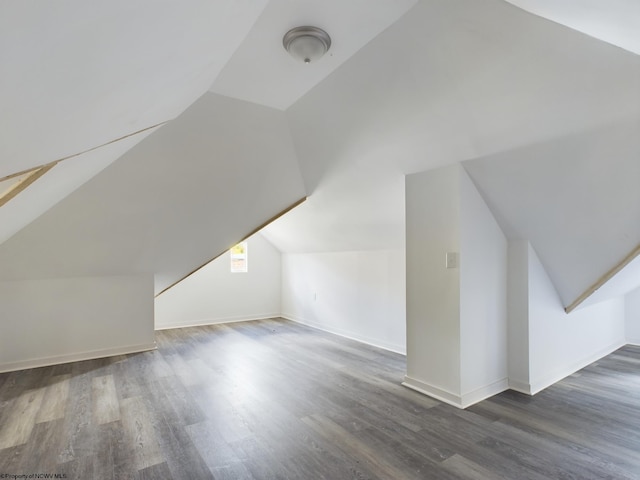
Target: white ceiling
[261, 71]
[614, 21]
[79, 74]
[183, 195]
[475, 80]
[407, 86]
[623, 282]
[446, 83]
[575, 198]
[56, 184]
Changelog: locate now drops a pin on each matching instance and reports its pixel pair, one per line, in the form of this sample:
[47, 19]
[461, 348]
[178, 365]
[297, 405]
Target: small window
[239, 258]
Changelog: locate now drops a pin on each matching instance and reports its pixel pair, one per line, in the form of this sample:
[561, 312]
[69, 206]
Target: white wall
[456, 317]
[58, 320]
[433, 294]
[483, 297]
[632, 316]
[560, 343]
[518, 315]
[360, 295]
[215, 295]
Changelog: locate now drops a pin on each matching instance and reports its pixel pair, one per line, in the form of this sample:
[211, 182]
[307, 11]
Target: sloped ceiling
[550, 116]
[92, 79]
[180, 197]
[261, 71]
[448, 82]
[614, 21]
[624, 282]
[575, 198]
[78, 74]
[56, 184]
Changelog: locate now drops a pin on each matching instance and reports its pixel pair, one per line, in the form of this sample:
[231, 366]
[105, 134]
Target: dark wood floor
[275, 400]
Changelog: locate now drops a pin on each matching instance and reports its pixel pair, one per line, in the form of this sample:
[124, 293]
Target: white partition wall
[483, 297]
[456, 290]
[433, 292]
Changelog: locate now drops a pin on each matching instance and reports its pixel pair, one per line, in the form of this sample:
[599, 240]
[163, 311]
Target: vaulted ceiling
[407, 86]
[613, 21]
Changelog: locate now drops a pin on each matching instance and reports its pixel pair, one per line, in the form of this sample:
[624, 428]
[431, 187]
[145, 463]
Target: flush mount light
[306, 44]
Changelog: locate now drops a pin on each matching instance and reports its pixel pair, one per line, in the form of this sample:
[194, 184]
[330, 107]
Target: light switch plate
[452, 260]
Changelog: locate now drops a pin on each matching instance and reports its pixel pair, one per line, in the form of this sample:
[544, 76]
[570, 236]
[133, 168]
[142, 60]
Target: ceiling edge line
[253, 232]
[33, 175]
[84, 151]
[604, 279]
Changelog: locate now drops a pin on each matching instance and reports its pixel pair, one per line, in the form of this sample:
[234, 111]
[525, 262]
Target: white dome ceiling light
[306, 44]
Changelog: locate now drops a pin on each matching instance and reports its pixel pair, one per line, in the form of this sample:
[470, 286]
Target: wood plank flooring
[276, 400]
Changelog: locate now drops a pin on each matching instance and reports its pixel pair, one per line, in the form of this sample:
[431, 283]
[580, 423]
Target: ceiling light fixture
[306, 44]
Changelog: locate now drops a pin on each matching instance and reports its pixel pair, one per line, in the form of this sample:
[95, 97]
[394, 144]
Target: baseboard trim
[216, 321]
[351, 336]
[459, 401]
[433, 391]
[482, 393]
[521, 387]
[634, 342]
[76, 357]
[545, 382]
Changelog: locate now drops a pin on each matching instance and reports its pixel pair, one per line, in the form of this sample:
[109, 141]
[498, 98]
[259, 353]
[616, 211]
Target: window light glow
[239, 258]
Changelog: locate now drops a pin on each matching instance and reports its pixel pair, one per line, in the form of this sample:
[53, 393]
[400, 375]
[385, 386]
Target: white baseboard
[518, 386]
[75, 357]
[482, 393]
[459, 401]
[432, 391]
[401, 349]
[548, 380]
[634, 341]
[216, 321]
